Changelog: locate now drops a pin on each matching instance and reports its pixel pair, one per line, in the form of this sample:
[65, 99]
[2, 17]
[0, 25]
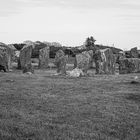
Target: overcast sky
[70, 22]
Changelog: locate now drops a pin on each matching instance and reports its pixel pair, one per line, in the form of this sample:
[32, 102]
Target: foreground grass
[45, 107]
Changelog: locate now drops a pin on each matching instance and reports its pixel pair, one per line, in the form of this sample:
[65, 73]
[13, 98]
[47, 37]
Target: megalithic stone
[44, 58]
[129, 65]
[25, 56]
[3, 58]
[61, 61]
[83, 60]
[28, 68]
[11, 52]
[134, 53]
[105, 61]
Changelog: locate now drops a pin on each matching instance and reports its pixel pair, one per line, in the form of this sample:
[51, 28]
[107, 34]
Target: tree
[90, 42]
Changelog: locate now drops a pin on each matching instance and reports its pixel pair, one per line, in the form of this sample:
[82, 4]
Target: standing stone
[129, 65]
[11, 54]
[105, 61]
[83, 60]
[134, 53]
[28, 68]
[9, 50]
[44, 57]
[3, 59]
[60, 62]
[25, 57]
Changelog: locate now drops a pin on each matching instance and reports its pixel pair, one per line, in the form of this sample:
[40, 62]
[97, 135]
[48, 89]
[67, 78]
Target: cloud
[80, 4]
[90, 4]
[131, 4]
[70, 20]
[10, 7]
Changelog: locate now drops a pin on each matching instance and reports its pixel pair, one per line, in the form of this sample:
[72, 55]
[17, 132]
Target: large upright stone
[25, 57]
[28, 68]
[134, 53]
[129, 65]
[44, 57]
[10, 50]
[83, 60]
[3, 59]
[60, 62]
[105, 61]
[11, 55]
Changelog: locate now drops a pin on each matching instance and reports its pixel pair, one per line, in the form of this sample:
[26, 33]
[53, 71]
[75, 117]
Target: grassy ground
[47, 107]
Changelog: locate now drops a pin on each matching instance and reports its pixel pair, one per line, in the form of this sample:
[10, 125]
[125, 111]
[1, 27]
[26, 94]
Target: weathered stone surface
[105, 61]
[129, 65]
[60, 62]
[10, 50]
[83, 60]
[75, 73]
[44, 57]
[134, 53]
[3, 59]
[11, 55]
[28, 68]
[25, 56]
[120, 55]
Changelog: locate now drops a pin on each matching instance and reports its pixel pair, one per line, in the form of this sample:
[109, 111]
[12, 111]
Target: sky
[70, 22]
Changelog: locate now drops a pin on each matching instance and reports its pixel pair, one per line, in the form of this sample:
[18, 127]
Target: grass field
[47, 107]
